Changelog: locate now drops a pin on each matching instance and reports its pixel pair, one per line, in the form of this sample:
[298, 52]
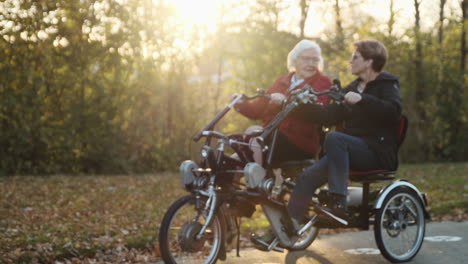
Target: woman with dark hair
[368, 141]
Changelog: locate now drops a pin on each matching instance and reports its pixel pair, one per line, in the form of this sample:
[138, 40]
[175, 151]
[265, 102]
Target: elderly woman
[297, 138]
[370, 114]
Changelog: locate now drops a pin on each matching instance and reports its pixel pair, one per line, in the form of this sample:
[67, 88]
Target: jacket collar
[383, 76]
[380, 77]
[287, 78]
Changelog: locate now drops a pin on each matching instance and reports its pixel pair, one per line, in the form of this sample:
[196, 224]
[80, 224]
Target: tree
[418, 60]
[440, 42]
[391, 20]
[464, 22]
[304, 5]
[340, 37]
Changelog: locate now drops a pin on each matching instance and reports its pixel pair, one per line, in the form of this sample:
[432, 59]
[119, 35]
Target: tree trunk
[391, 20]
[304, 11]
[441, 21]
[464, 7]
[339, 27]
[419, 99]
[440, 49]
[420, 95]
[458, 127]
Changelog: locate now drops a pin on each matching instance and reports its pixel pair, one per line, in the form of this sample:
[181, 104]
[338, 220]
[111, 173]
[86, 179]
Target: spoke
[401, 221]
[393, 208]
[410, 209]
[183, 247]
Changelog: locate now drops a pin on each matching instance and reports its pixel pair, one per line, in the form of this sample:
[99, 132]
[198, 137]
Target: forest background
[121, 86]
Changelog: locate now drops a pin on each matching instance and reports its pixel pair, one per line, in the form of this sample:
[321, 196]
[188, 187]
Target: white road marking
[443, 238]
[363, 251]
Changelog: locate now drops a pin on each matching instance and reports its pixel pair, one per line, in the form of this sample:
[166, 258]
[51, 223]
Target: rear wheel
[178, 240]
[400, 225]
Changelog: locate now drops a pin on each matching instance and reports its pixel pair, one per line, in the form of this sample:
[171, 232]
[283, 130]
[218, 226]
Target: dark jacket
[374, 118]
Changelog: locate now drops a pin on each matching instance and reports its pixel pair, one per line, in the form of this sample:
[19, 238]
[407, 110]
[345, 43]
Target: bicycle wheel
[400, 225]
[177, 235]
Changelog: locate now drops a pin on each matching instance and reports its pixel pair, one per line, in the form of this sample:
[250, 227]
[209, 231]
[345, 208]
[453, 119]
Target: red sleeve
[253, 110]
[261, 108]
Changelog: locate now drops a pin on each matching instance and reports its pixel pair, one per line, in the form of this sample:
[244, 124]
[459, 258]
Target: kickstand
[238, 220]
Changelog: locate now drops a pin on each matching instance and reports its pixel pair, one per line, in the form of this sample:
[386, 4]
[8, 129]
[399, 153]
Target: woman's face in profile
[307, 63]
[358, 63]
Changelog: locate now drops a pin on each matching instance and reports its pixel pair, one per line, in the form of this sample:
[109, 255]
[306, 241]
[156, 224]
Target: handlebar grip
[197, 137]
[209, 134]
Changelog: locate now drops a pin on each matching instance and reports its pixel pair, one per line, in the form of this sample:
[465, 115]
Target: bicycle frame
[213, 162]
[213, 184]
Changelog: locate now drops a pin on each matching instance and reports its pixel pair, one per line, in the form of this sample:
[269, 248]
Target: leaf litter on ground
[115, 219]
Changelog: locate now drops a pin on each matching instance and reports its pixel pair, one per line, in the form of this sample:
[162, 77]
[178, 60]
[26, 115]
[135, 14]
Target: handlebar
[260, 93]
[305, 95]
[334, 92]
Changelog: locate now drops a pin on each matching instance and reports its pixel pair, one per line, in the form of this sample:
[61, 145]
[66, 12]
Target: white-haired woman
[297, 138]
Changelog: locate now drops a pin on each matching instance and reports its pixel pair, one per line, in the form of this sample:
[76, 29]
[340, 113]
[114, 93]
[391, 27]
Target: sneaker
[335, 209]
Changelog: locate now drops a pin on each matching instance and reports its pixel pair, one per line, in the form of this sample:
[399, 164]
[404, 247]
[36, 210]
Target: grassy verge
[446, 186]
[116, 218]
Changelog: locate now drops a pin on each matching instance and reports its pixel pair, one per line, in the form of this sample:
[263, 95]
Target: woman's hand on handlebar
[352, 98]
[277, 98]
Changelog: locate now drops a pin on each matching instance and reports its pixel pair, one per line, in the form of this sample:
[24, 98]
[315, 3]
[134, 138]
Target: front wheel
[400, 225]
[178, 233]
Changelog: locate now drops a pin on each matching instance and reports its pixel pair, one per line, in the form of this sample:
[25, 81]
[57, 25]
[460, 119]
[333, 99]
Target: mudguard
[402, 183]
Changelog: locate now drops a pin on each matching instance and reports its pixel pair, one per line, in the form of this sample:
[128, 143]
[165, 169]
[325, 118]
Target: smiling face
[307, 63]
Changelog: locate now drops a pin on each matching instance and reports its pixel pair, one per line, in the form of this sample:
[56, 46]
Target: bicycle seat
[382, 175]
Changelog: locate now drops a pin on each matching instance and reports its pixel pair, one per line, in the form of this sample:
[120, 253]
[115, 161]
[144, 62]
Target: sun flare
[197, 13]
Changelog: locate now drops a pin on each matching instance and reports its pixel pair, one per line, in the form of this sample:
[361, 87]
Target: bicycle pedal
[264, 246]
[273, 246]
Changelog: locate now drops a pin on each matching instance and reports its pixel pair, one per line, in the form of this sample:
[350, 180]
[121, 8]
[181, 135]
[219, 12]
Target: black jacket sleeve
[388, 108]
[329, 115]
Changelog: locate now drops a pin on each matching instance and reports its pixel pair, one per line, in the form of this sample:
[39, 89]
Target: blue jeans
[343, 152]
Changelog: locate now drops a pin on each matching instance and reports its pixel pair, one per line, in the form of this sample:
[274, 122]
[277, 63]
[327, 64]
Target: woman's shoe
[334, 209]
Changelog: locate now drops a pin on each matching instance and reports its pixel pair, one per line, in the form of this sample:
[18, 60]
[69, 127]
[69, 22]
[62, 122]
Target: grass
[116, 218]
[446, 186]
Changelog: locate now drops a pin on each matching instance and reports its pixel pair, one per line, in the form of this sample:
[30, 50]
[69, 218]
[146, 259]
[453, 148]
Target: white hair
[300, 47]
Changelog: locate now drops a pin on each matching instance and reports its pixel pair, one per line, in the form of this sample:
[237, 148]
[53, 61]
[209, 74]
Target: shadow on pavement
[293, 257]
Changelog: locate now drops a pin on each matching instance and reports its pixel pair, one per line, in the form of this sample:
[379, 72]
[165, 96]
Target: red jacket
[303, 134]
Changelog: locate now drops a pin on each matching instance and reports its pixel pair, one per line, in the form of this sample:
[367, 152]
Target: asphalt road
[445, 243]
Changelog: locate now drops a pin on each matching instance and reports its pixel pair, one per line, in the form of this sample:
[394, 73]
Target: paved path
[445, 243]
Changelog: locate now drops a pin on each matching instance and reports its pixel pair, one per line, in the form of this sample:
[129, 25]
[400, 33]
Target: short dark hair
[375, 50]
